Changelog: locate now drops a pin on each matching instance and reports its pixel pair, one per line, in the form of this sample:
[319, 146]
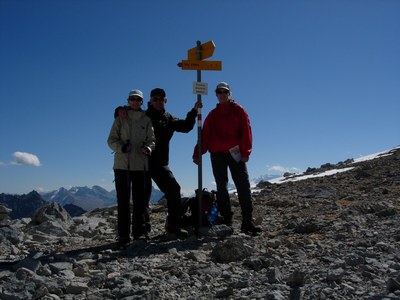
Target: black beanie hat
[157, 92]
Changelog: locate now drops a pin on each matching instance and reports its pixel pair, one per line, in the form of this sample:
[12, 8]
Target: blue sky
[320, 81]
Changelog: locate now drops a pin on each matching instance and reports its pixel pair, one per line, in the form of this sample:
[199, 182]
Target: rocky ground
[331, 237]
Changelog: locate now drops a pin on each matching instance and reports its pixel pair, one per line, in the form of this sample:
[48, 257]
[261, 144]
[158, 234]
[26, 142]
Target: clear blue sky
[320, 81]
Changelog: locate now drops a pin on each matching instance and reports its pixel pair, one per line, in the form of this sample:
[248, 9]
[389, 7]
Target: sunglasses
[157, 99]
[222, 91]
[137, 99]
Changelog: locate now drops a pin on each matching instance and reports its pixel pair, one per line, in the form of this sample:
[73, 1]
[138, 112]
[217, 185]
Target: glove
[126, 148]
[146, 150]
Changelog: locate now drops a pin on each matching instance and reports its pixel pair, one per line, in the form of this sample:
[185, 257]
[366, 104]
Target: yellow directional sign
[207, 50]
[213, 65]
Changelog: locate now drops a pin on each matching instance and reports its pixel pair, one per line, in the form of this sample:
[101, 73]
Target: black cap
[157, 92]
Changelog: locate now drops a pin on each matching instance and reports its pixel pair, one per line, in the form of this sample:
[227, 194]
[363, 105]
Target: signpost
[200, 88]
[207, 50]
[195, 62]
[215, 65]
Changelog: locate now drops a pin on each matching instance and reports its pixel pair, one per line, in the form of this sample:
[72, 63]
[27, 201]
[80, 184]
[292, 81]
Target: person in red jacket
[227, 136]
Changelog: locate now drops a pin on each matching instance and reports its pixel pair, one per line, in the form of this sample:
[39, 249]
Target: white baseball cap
[136, 93]
[223, 86]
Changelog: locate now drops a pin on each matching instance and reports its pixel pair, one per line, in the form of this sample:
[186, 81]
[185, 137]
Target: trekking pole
[146, 193]
[199, 124]
[129, 169]
[144, 167]
[146, 158]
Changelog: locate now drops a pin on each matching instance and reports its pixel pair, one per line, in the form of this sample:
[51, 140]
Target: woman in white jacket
[132, 140]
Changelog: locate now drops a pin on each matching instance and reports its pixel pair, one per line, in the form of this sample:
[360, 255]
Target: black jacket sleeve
[184, 125]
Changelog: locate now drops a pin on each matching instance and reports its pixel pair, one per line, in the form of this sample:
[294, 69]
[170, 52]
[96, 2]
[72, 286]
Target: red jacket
[226, 126]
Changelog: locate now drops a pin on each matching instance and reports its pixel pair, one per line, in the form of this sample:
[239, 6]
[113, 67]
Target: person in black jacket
[165, 125]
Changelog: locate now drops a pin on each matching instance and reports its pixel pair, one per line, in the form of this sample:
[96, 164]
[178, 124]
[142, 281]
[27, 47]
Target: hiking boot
[178, 234]
[145, 237]
[249, 227]
[142, 230]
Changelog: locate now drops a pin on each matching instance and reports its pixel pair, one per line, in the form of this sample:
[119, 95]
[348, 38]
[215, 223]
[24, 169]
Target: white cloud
[24, 158]
[277, 169]
[281, 169]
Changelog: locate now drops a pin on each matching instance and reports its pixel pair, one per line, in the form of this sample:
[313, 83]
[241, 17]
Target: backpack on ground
[209, 214]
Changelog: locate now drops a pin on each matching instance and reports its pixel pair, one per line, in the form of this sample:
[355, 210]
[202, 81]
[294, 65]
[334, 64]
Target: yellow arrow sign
[213, 65]
[207, 50]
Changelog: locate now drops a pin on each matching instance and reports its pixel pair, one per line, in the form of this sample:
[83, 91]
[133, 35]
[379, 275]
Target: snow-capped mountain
[84, 197]
[90, 198]
[265, 177]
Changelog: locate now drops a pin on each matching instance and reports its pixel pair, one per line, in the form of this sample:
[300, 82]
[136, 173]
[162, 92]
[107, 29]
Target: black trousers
[166, 182]
[137, 184]
[220, 163]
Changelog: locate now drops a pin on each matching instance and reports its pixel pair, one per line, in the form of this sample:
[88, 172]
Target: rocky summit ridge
[325, 237]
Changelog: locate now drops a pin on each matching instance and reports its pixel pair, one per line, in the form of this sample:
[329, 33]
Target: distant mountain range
[90, 198]
[84, 197]
[22, 206]
[76, 200]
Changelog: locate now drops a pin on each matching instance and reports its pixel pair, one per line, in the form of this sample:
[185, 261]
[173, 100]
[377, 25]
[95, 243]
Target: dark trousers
[220, 163]
[166, 182]
[137, 184]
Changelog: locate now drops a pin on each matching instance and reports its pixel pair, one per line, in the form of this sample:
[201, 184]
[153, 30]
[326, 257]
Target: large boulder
[50, 212]
[51, 219]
